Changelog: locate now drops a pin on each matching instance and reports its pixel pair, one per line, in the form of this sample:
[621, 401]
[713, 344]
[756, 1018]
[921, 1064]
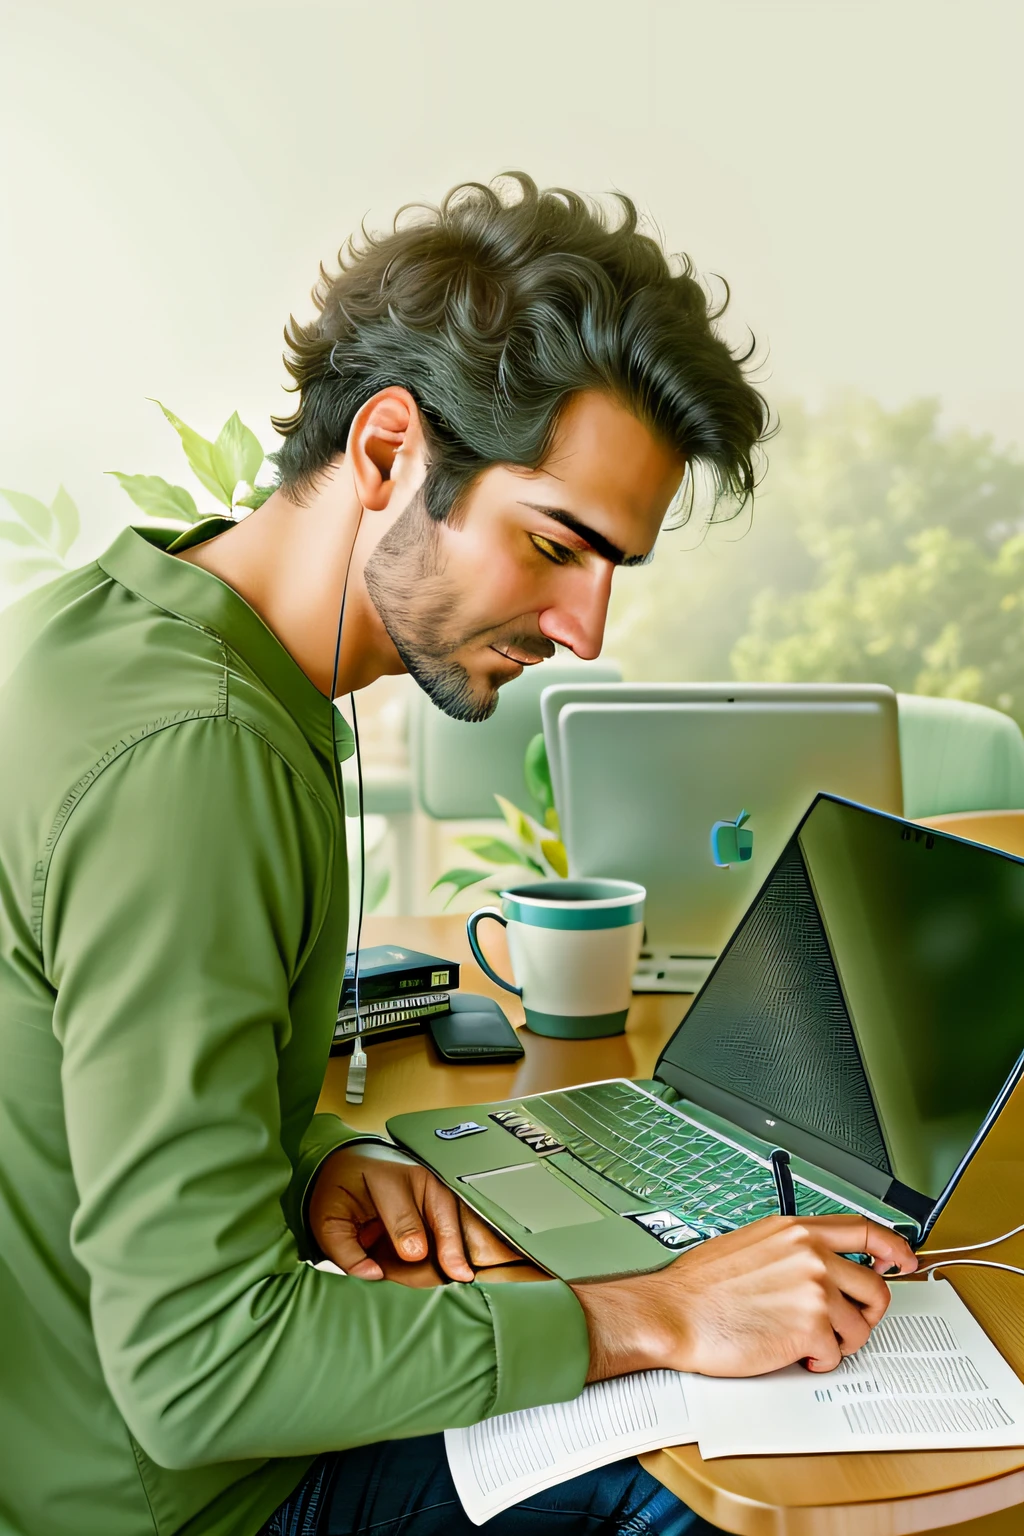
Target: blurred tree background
[882, 548]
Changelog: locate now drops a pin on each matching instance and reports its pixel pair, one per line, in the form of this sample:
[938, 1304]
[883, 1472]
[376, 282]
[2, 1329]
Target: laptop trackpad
[533, 1197]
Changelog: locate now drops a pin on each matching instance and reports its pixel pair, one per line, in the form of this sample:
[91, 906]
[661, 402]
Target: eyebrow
[597, 541]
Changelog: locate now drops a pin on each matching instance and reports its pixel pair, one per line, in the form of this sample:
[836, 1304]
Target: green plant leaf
[157, 497]
[537, 772]
[518, 824]
[199, 452]
[459, 879]
[237, 455]
[20, 571]
[66, 520]
[551, 820]
[554, 852]
[34, 514]
[17, 533]
[256, 497]
[493, 850]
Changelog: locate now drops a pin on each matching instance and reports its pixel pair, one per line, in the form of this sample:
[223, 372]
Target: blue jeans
[404, 1488]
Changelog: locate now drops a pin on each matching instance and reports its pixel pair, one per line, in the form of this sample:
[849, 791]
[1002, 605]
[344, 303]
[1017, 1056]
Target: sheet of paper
[500, 1461]
[928, 1378]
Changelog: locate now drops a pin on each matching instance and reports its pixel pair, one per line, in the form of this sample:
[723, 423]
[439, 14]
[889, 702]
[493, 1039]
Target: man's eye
[557, 553]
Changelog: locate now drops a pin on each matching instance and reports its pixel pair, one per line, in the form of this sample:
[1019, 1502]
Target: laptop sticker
[535, 1136]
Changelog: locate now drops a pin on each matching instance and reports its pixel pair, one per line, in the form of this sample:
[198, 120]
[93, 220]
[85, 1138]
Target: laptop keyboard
[640, 1145]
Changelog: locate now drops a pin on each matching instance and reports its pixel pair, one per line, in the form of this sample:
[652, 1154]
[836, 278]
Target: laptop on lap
[866, 1017]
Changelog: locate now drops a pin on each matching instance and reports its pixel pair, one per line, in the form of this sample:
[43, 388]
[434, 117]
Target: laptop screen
[872, 998]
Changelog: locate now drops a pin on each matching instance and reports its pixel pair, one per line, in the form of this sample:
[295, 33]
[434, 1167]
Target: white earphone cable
[972, 1247]
[929, 1269]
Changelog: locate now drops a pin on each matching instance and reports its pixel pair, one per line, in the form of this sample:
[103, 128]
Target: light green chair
[958, 757]
[458, 768]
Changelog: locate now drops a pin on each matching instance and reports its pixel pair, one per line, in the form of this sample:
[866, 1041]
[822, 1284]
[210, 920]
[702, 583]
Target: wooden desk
[856, 1495]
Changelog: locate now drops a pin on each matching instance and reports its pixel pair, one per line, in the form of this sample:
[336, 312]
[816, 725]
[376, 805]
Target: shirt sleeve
[176, 917]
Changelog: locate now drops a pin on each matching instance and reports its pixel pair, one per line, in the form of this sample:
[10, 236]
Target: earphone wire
[357, 1044]
[362, 854]
[990, 1242]
[929, 1269]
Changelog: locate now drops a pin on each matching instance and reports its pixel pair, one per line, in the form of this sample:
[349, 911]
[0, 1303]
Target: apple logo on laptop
[731, 842]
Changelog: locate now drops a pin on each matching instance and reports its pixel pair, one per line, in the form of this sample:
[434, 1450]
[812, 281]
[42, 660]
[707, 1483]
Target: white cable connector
[355, 1083]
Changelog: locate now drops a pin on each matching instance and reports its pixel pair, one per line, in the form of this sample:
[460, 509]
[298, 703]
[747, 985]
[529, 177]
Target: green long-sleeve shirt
[173, 913]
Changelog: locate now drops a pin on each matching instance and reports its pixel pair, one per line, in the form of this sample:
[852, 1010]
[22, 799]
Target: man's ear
[386, 449]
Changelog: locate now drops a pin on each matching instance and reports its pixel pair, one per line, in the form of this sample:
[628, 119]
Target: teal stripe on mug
[537, 916]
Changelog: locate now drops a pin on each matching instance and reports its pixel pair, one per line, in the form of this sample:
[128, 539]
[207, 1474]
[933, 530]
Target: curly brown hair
[493, 310]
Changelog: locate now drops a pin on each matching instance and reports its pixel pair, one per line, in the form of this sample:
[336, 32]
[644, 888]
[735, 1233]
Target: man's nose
[578, 618]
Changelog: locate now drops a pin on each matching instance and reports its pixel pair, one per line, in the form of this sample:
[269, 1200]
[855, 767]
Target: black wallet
[474, 1029]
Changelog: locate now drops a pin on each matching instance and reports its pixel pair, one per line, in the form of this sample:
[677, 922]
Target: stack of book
[398, 989]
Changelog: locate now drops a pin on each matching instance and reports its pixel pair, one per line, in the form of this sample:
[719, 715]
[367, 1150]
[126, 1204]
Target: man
[498, 405]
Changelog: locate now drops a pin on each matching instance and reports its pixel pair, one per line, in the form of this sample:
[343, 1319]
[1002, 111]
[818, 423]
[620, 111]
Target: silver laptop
[694, 797]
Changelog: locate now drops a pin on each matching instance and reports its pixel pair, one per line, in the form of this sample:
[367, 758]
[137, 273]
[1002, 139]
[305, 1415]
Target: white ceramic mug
[574, 946]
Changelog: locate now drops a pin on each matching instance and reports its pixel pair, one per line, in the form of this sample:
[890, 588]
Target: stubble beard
[407, 586]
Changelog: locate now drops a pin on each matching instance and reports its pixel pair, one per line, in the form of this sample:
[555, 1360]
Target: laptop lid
[644, 784]
[868, 1013]
[592, 690]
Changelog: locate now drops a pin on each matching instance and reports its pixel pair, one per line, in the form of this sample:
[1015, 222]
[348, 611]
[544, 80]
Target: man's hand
[767, 1295]
[370, 1189]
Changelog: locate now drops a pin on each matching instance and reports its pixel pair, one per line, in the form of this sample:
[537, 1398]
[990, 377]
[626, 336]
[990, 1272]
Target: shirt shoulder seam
[219, 709]
[78, 789]
[203, 629]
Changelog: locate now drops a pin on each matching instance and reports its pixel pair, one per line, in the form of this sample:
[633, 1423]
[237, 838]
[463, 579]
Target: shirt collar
[141, 560]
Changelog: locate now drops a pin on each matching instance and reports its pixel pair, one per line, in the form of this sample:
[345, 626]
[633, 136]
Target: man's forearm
[625, 1331]
[761, 1297]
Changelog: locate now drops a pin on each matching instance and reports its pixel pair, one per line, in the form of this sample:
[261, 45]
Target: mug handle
[478, 954]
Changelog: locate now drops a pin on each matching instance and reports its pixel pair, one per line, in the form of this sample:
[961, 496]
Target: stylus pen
[783, 1182]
